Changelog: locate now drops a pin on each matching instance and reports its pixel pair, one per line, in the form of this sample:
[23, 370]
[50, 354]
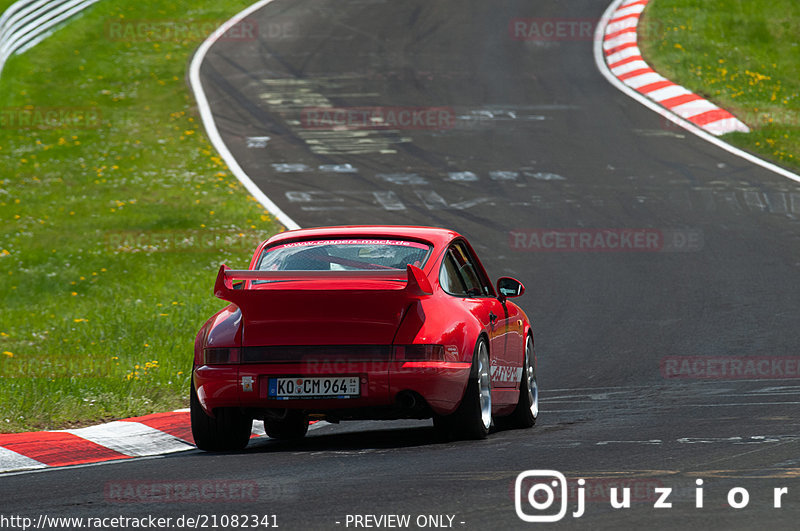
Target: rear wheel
[524, 416]
[473, 418]
[293, 426]
[227, 430]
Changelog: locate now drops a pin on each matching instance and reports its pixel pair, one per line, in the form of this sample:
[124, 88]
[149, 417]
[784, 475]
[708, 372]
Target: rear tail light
[419, 352]
[236, 355]
[221, 356]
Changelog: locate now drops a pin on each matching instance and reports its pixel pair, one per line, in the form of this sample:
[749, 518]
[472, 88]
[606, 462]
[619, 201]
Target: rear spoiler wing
[417, 283]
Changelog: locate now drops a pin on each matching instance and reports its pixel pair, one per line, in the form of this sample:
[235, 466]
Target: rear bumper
[440, 383]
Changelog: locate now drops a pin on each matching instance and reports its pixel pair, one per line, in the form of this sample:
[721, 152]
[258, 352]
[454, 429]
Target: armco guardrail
[25, 23]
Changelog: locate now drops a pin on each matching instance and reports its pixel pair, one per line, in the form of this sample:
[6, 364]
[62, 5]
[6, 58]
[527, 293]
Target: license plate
[333, 387]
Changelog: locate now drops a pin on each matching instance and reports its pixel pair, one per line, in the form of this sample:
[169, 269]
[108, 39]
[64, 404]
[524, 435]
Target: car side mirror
[509, 287]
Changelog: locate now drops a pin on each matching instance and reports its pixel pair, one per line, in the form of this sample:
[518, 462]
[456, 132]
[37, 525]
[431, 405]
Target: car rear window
[343, 255]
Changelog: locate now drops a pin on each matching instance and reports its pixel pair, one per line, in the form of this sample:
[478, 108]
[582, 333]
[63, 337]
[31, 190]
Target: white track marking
[320, 201]
[753, 200]
[469, 203]
[544, 176]
[463, 176]
[389, 200]
[401, 178]
[648, 442]
[501, 175]
[600, 61]
[776, 201]
[431, 199]
[795, 203]
[257, 142]
[338, 168]
[290, 167]
[211, 127]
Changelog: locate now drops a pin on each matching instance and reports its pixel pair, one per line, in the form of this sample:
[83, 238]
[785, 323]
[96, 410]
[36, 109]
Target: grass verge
[115, 213]
[743, 55]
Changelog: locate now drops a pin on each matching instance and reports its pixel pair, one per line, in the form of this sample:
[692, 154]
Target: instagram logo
[539, 489]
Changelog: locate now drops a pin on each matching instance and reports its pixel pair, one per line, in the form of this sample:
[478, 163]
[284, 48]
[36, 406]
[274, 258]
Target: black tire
[473, 418]
[227, 430]
[524, 415]
[293, 427]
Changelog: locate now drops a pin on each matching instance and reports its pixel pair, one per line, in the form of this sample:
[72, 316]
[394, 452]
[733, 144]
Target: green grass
[742, 54]
[89, 329]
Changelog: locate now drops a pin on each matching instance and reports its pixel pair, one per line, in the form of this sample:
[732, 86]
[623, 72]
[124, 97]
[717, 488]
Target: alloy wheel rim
[484, 387]
[533, 387]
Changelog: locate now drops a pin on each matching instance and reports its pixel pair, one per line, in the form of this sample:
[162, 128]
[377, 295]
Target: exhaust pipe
[407, 400]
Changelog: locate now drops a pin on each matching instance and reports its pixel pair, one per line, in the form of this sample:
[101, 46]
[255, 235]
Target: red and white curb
[601, 58]
[156, 434]
[160, 433]
[624, 59]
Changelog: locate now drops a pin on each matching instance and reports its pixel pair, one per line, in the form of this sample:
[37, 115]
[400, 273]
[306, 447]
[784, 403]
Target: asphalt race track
[536, 139]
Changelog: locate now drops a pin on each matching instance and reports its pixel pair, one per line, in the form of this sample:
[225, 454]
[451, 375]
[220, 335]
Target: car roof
[439, 237]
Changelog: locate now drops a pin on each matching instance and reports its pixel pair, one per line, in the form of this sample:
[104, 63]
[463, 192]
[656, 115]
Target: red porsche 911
[370, 322]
